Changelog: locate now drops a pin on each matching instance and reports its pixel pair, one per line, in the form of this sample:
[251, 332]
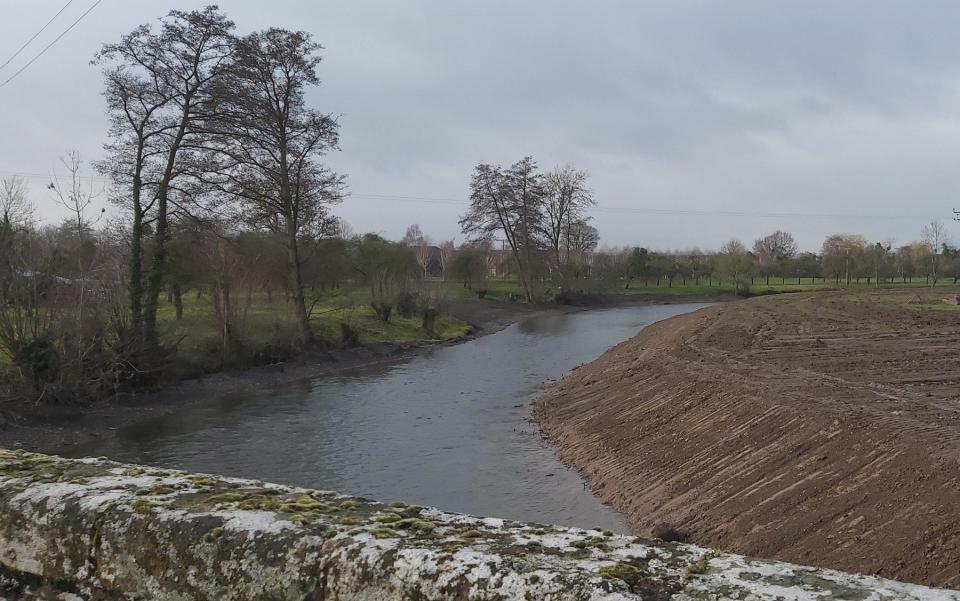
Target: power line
[655, 211]
[599, 208]
[42, 29]
[48, 46]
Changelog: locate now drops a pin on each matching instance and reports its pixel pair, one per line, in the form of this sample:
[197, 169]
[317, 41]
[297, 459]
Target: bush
[407, 304]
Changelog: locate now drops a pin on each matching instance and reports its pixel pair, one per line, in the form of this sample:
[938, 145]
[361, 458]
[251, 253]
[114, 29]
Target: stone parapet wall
[94, 529]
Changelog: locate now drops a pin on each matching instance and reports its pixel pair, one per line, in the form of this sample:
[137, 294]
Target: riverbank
[815, 428]
[58, 430]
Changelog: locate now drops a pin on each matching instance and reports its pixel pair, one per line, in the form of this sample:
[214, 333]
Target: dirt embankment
[815, 428]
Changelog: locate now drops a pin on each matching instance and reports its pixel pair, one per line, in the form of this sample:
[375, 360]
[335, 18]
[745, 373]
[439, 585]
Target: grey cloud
[817, 107]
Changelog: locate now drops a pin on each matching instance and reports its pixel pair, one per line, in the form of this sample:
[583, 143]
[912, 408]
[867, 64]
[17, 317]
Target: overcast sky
[698, 121]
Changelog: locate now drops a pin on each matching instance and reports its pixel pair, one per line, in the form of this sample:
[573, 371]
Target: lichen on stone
[98, 529]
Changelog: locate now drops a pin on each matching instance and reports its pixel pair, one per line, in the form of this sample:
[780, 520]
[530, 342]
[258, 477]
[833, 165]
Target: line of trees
[208, 123]
[843, 259]
[212, 143]
[536, 214]
[64, 295]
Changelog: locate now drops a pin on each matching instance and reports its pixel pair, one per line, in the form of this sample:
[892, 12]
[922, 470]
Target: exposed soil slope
[817, 428]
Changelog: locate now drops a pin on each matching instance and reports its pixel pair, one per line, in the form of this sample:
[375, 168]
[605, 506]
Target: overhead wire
[599, 208]
[50, 45]
[42, 29]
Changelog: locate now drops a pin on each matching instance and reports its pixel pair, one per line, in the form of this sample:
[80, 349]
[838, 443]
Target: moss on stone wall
[97, 529]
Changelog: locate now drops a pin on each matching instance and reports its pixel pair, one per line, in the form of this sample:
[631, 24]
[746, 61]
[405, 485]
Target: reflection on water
[448, 428]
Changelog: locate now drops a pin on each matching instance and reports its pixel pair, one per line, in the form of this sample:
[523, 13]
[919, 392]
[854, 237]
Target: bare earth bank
[817, 428]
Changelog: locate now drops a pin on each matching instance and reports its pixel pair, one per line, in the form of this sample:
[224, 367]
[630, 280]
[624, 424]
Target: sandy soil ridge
[816, 428]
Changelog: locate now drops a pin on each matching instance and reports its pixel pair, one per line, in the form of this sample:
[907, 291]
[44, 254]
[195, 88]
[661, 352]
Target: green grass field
[266, 327]
[503, 289]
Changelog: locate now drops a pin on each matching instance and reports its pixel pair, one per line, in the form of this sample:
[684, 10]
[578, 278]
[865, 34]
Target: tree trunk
[155, 281]
[178, 301]
[296, 283]
[430, 321]
[227, 327]
[136, 273]
[161, 233]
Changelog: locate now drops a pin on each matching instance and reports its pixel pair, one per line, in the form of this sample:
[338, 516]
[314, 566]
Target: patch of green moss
[349, 504]
[630, 574]
[453, 546]
[159, 489]
[700, 566]
[141, 506]
[213, 534]
[416, 525]
[387, 518]
[471, 534]
[203, 481]
[384, 533]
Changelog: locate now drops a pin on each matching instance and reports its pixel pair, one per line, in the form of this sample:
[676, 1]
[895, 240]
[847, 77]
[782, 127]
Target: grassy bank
[510, 289]
[267, 329]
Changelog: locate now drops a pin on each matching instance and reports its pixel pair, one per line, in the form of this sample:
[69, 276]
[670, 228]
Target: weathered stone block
[93, 529]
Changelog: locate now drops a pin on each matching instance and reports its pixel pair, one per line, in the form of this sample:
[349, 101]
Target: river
[449, 428]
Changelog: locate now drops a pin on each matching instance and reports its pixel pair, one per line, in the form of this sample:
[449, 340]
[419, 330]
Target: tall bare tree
[414, 235]
[509, 201]
[15, 207]
[16, 214]
[567, 198]
[935, 235]
[158, 91]
[270, 145]
[75, 197]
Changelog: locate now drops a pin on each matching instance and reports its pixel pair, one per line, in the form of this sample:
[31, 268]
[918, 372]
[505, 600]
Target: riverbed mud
[819, 428]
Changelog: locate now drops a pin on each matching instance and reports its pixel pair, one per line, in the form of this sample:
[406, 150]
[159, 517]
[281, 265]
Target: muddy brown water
[450, 428]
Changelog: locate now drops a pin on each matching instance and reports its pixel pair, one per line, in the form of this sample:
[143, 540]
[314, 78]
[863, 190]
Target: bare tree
[735, 263]
[842, 255]
[414, 235]
[76, 198]
[158, 91]
[510, 201]
[773, 251]
[935, 235]
[447, 248]
[567, 197]
[270, 144]
[420, 243]
[15, 216]
[15, 208]
[581, 240]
